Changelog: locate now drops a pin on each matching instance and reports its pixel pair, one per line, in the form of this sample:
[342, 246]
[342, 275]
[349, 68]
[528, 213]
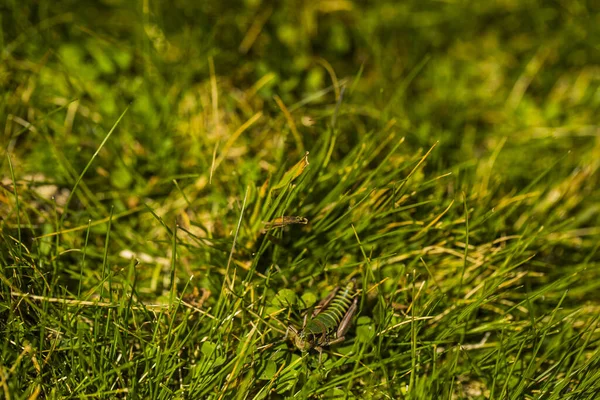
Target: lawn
[182, 181]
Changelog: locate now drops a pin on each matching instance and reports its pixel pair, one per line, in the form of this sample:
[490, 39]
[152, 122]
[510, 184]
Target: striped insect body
[330, 320]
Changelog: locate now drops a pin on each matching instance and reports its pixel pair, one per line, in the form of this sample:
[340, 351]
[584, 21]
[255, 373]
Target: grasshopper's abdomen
[330, 317]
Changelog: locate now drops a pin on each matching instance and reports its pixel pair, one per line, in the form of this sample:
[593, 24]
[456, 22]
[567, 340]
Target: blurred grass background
[453, 166]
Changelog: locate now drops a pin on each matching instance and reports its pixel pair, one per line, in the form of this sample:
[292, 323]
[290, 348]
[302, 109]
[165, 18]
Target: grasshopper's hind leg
[346, 321]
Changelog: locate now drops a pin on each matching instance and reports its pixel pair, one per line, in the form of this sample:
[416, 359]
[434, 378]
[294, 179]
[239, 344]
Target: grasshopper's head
[302, 343]
[300, 340]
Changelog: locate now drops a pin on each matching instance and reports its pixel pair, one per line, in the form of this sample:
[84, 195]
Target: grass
[445, 155]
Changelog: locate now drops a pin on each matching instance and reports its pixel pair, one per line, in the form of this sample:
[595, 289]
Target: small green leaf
[345, 349]
[311, 385]
[309, 298]
[336, 393]
[365, 330]
[272, 310]
[269, 371]
[208, 348]
[219, 361]
[285, 298]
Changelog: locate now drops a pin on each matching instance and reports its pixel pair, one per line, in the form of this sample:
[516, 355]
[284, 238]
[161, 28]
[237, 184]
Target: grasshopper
[280, 222]
[329, 321]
